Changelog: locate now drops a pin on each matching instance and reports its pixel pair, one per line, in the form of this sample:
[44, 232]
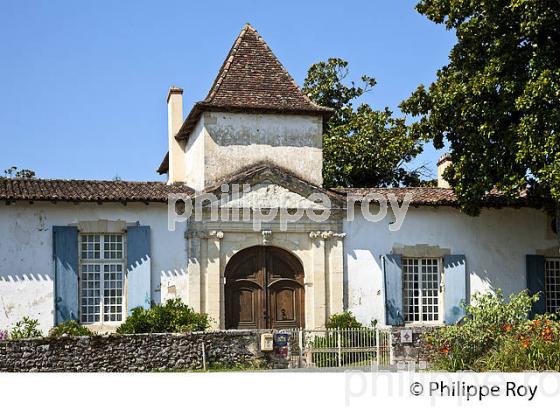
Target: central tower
[254, 113]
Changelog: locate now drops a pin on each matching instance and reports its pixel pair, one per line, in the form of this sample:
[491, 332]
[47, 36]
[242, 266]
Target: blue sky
[83, 83]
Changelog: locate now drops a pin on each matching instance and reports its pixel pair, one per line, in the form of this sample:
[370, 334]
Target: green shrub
[490, 323]
[26, 329]
[339, 333]
[70, 328]
[172, 317]
[344, 320]
[533, 346]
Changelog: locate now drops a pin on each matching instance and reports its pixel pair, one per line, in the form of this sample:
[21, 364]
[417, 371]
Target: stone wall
[412, 351]
[131, 353]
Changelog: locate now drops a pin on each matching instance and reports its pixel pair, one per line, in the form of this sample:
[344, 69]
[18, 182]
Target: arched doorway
[264, 290]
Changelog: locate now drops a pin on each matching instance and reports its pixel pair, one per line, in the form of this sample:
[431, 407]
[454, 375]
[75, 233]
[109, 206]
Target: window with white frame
[102, 274]
[552, 284]
[421, 290]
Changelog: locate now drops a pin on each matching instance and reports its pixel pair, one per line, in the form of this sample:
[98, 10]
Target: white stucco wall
[26, 264]
[495, 245]
[223, 143]
[194, 157]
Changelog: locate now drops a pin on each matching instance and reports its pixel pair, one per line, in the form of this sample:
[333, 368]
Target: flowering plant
[496, 334]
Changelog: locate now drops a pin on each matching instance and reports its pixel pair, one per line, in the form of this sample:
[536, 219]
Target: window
[102, 265]
[421, 290]
[552, 285]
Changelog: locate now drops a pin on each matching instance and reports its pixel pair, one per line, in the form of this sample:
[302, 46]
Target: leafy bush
[172, 317]
[535, 346]
[70, 328]
[344, 320]
[339, 333]
[26, 329]
[497, 335]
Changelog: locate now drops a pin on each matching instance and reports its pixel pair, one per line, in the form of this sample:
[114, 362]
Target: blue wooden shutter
[535, 282]
[392, 266]
[65, 255]
[138, 267]
[455, 286]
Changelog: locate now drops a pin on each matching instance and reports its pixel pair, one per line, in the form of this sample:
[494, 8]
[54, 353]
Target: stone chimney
[442, 164]
[177, 168]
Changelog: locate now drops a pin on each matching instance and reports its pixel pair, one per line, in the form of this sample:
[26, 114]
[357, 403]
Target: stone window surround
[105, 226]
[440, 293]
[423, 250]
[102, 261]
[102, 226]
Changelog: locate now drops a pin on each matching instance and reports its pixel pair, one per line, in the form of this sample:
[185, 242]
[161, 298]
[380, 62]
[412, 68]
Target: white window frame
[440, 292]
[549, 285]
[102, 262]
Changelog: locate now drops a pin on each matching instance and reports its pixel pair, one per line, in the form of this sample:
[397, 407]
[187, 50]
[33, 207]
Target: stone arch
[264, 289]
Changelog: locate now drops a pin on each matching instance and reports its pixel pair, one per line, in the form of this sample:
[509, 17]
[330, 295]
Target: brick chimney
[177, 167]
[442, 164]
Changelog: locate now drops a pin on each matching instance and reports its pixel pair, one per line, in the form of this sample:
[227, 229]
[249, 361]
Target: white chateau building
[93, 250]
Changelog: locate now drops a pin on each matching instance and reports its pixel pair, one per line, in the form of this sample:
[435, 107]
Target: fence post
[338, 341]
[203, 357]
[390, 341]
[300, 345]
[378, 346]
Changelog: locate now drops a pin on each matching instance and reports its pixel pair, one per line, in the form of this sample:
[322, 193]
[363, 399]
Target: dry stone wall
[130, 353]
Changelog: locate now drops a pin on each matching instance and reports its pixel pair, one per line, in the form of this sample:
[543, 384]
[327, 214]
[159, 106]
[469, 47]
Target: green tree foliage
[497, 102]
[362, 147]
[13, 172]
[172, 317]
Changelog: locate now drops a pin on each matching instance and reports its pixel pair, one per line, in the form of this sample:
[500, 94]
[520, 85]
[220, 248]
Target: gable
[267, 194]
[266, 185]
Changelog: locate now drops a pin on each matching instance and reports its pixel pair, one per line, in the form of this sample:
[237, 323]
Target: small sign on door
[406, 335]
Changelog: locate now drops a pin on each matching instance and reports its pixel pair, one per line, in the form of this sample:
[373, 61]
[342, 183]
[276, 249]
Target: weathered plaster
[268, 195]
[26, 265]
[194, 157]
[223, 143]
[495, 245]
[176, 151]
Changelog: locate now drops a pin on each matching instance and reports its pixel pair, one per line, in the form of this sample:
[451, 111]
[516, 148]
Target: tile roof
[86, 191]
[14, 189]
[164, 166]
[252, 79]
[433, 196]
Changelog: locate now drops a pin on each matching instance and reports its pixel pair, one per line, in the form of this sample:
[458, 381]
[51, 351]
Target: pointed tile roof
[252, 76]
[252, 79]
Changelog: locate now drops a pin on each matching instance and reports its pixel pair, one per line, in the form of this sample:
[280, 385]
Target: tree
[13, 172]
[497, 101]
[362, 147]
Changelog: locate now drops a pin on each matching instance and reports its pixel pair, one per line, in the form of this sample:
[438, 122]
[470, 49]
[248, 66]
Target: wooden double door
[264, 290]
